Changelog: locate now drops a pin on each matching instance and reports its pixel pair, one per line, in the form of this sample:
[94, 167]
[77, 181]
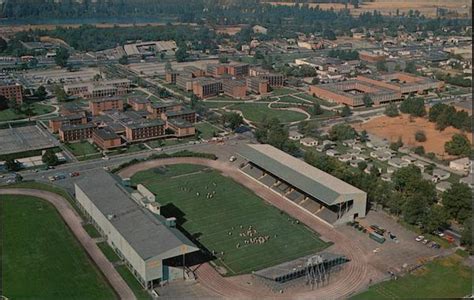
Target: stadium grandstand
[323, 195]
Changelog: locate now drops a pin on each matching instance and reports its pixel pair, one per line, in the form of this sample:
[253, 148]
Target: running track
[353, 277]
[73, 220]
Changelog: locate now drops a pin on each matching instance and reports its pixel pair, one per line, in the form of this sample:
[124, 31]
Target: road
[74, 222]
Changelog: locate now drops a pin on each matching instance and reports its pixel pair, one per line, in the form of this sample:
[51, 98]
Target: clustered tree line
[445, 115]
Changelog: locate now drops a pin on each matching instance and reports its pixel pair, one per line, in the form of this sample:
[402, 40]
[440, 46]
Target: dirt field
[393, 128]
[386, 7]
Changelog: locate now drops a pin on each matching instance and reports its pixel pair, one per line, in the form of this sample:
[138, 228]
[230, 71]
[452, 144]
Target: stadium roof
[145, 232]
[310, 180]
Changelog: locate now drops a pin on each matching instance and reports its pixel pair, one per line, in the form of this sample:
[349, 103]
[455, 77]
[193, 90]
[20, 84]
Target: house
[361, 156]
[409, 159]
[443, 186]
[469, 180]
[332, 153]
[329, 143]
[349, 143]
[358, 146]
[439, 174]
[259, 29]
[421, 164]
[377, 144]
[462, 164]
[355, 163]
[390, 170]
[381, 155]
[353, 152]
[345, 157]
[426, 176]
[386, 177]
[397, 162]
[320, 148]
[295, 135]
[308, 142]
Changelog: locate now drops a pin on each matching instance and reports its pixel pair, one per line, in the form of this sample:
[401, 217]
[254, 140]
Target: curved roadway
[73, 220]
[353, 277]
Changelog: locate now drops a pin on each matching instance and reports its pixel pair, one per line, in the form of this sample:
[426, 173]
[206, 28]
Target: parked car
[425, 241]
[74, 174]
[420, 238]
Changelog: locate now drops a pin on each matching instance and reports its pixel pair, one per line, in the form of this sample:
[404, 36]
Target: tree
[363, 136]
[60, 94]
[381, 66]
[410, 67]
[340, 132]
[436, 218]
[368, 102]
[4, 103]
[414, 210]
[315, 80]
[413, 106]
[123, 60]
[62, 55]
[316, 109]
[308, 128]
[396, 145]
[391, 110]
[223, 59]
[50, 158]
[181, 54]
[466, 234]
[194, 101]
[457, 201]
[3, 45]
[41, 93]
[233, 120]
[420, 150]
[12, 165]
[346, 111]
[458, 145]
[420, 136]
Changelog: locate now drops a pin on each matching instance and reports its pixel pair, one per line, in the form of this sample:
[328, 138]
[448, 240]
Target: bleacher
[268, 180]
[327, 215]
[281, 188]
[295, 196]
[253, 171]
[311, 205]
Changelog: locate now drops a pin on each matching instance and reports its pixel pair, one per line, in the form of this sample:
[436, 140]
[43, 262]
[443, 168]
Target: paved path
[354, 276]
[73, 220]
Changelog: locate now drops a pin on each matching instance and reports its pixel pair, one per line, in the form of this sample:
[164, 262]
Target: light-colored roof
[145, 232]
[301, 175]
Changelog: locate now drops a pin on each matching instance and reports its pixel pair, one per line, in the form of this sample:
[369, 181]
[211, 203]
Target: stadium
[264, 216]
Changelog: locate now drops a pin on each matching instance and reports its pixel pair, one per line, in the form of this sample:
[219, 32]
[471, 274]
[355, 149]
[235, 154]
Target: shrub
[420, 136]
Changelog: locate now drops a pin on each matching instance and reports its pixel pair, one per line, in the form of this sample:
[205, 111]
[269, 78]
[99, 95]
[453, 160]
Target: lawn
[316, 100]
[442, 278]
[132, 282]
[206, 130]
[215, 104]
[82, 149]
[217, 222]
[282, 91]
[40, 257]
[38, 109]
[91, 231]
[108, 252]
[291, 99]
[257, 112]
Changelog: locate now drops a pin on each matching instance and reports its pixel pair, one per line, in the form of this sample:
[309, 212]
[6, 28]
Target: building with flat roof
[144, 130]
[234, 88]
[147, 242]
[323, 195]
[97, 106]
[352, 93]
[257, 85]
[207, 87]
[186, 114]
[170, 76]
[403, 83]
[106, 138]
[12, 91]
[72, 133]
[181, 128]
[138, 103]
[56, 122]
[149, 48]
[97, 89]
[371, 56]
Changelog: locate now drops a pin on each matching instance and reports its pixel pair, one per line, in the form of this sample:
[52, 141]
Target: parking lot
[19, 139]
[391, 256]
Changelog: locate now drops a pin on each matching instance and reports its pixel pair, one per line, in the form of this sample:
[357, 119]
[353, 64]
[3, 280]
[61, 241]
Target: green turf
[91, 231]
[108, 252]
[40, 257]
[257, 112]
[215, 104]
[132, 282]
[211, 220]
[291, 99]
[282, 91]
[206, 130]
[315, 99]
[443, 278]
[38, 109]
[82, 148]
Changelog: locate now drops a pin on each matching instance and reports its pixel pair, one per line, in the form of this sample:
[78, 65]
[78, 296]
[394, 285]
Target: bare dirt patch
[405, 128]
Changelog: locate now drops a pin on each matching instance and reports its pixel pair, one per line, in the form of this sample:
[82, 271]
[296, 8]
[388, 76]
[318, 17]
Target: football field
[245, 233]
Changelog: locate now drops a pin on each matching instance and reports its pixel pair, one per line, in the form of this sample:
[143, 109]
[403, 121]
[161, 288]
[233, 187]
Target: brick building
[257, 85]
[71, 133]
[98, 105]
[98, 89]
[138, 103]
[12, 91]
[274, 79]
[157, 109]
[146, 130]
[370, 56]
[170, 76]
[404, 83]
[106, 138]
[58, 122]
[207, 87]
[186, 114]
[181, 128]
[234, 88]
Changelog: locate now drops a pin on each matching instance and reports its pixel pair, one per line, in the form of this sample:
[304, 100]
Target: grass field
[257, 112]
[442, 278]
[82, 148]
[291, 99]
[206, 130]
[40, 257]
[282, 91]
[316, 100]
[210, 220]
[38, 109]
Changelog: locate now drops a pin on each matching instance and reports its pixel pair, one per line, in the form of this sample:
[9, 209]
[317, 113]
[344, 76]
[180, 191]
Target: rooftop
[298, 173]
[144, 231]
